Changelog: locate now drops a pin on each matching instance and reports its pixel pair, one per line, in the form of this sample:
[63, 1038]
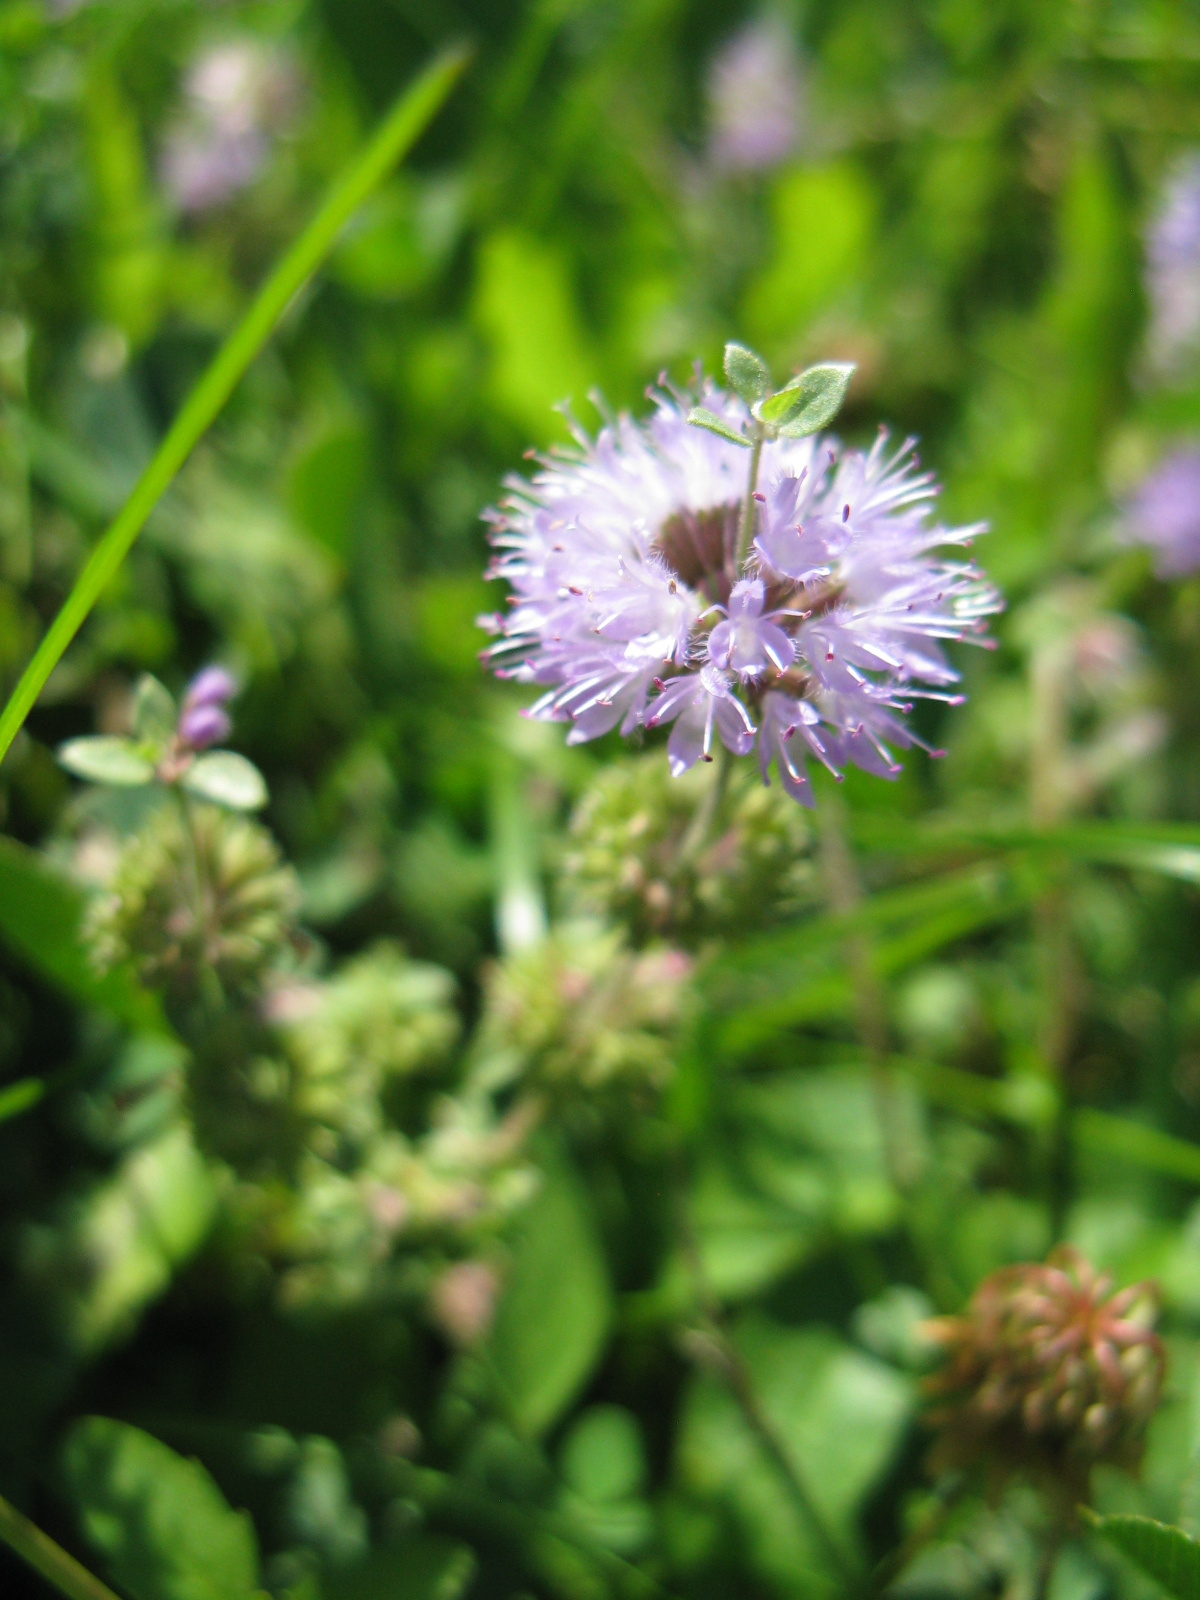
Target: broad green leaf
[154, 710]
[40, 917]
[1164, 1553]
[104, 758]
[838, 1415]
[700, 418]
[159, 1522]
[810, 401]
[747, 373]
[227, 779]
[420, 1566]
[603, 1457]
[553, 1317]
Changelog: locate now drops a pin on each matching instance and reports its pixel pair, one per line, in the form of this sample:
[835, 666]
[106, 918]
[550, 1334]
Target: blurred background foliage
[488, 1198]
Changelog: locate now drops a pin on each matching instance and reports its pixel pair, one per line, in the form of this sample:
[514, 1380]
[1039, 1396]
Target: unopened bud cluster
[1047, 1367]
[627, 858]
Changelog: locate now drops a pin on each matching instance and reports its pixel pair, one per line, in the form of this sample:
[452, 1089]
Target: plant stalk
[399, 131]
[746, 522]
[49, 1559]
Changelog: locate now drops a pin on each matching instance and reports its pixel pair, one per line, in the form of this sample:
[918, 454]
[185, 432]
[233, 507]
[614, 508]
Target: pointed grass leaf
[104, 758]
[228, 780]
[700, 418]
[747, 373]
[1166, 1554]
[553, 1318]
[810, 401]
[158, 1521]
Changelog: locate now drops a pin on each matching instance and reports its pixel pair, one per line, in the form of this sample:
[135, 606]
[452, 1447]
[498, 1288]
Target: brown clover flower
[1047, 1371]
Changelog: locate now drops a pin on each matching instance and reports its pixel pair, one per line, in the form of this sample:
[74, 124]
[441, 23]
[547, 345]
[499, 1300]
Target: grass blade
[398, 132]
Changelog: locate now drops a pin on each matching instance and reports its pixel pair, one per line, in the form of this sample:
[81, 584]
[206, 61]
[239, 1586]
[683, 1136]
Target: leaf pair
[221, 776]
[805, 405]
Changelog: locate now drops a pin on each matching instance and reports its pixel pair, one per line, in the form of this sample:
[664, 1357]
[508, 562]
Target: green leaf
[154, 710]
[106, 759]
[421, 1566]
[553, 1317]
[603, 1457]
[838, 1415]
[700, 418]
[40, 917]
[161, 1525]
[1165, 1553]
[810, 401]
[228, 779]
[747, 373]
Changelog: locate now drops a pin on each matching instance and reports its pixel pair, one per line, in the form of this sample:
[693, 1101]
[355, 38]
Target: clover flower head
[1048, 1368]
[649, 587]
[1164, 513]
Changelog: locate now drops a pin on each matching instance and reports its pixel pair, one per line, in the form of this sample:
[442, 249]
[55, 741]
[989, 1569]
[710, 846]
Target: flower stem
[746, 524]
[707, 811]
[399, 130]
[48, 1558]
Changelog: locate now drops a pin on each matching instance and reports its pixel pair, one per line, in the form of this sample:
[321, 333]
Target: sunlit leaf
[227, 779]
[104, 758]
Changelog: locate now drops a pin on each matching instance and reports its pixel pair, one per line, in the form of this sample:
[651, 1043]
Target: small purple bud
[212, 686]
[200, 726]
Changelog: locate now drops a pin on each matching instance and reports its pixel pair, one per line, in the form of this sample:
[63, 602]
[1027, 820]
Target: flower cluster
[1173, 268]
[627, 859]
[756, 97]
[1163, 513]
[1047, 1368]
[654, 583]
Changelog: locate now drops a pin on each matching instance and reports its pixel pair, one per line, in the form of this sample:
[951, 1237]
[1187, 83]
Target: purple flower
[755, 93]
[629, 606]
[237, 93]
[1173, 268]
[203, 720]
[1164, 513]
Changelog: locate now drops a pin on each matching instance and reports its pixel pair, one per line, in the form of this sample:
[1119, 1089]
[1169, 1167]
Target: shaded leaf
[227, 779]
[154, 710]
[1164, 1553]
[553, 1317]
[161, 1525]
[104, 758]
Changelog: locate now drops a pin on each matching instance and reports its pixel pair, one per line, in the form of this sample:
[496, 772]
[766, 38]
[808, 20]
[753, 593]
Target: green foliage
[554, 1314]
[1165, 1554]
[158, 1521]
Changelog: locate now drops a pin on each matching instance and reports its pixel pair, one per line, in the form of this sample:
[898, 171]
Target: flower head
[1173, 268]
[641, 598]
[755, 94]
[1047, 1367]
[1164, 513]
[203, 720]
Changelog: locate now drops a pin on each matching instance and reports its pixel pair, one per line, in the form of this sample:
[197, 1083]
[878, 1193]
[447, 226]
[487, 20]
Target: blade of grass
[48, 1558]
[399, 130]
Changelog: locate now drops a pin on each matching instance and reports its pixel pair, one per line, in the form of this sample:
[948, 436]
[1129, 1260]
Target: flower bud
[1046, 1371]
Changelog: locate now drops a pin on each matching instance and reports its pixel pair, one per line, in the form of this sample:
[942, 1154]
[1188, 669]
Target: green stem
[746, 524]
[707, 811]
[48, 1558]
[400, 129]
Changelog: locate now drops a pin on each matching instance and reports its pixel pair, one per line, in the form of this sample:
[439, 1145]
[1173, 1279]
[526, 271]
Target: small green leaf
[154, 711]
[553, 1317]
[747, 373]
[1164, 1553]
[105, 759]
[160, 1522]
[700, 418]
[810, 401]
[228, 779]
